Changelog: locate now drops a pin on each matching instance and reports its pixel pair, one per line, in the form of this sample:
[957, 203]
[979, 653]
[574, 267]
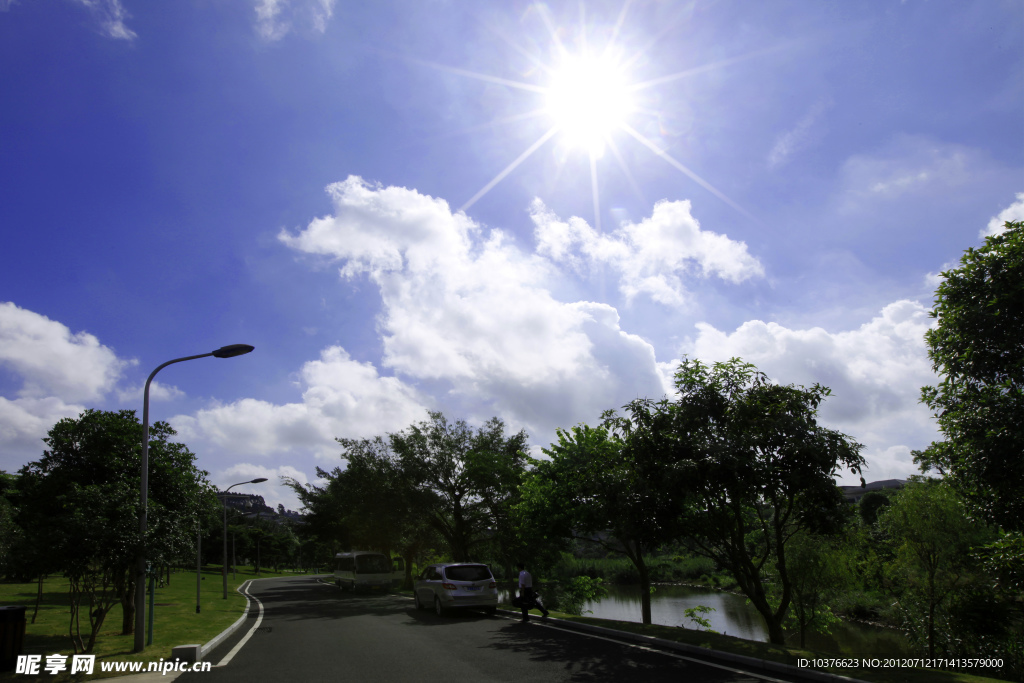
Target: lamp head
[258, 480]
[232, 350]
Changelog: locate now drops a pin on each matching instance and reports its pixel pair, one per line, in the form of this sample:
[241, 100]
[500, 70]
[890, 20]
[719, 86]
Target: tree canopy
[977, 348]
[609, 485]
[473, 478]
[758, 470]
[81, 502]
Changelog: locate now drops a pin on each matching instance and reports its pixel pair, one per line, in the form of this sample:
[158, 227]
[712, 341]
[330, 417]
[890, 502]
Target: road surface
[311, 631]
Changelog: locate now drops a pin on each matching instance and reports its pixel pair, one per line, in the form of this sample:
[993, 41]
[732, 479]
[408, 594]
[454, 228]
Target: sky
[529, 211]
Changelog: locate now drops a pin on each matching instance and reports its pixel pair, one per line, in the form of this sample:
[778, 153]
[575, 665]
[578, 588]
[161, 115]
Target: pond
[734, 617]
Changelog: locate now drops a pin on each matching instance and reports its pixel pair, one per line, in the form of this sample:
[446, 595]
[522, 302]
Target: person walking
[527, 596]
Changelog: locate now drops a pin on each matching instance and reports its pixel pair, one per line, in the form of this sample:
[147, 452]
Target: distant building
[853, 494]
[246, 503]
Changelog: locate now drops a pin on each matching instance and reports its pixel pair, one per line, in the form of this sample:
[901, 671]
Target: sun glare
[588, 98]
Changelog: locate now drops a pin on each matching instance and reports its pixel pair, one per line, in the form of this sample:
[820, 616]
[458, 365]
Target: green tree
[869, 506]
[468, 481]
[933, 537]
[325, 528]
[817, 573]
[81, 500]
[610, 485]
[758, 469]
[9, 530]
[977, 348]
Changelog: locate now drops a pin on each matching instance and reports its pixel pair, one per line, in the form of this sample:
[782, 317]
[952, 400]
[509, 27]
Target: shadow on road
[586, 659]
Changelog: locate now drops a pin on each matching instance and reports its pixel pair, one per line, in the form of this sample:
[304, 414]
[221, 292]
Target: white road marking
[244, 640]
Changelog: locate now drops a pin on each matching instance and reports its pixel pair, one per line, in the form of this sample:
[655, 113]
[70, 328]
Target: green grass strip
[175, 621]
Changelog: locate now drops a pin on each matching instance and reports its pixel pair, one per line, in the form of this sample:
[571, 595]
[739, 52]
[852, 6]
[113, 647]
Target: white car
[449, 586]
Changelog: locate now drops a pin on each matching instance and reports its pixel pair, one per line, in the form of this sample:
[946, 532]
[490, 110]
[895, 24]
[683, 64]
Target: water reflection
[734, 617]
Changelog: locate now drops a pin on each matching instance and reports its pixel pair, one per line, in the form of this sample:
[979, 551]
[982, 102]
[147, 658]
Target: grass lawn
[784, 655]
[175, 621]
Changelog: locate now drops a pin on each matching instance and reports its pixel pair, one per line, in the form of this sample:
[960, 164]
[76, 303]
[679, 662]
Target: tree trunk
[645, 590]
[39, 598]
[408, 571]
[931, 629]
[126, 591]
[776, 636]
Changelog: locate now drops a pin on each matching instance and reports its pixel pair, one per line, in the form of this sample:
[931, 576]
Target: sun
[588, 98]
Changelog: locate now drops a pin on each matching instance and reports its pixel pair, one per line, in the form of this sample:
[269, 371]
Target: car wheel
[438, 610]
[416, 600]
[491, 611]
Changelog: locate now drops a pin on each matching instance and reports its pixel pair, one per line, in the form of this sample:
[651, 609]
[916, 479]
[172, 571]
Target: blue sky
[781, 181]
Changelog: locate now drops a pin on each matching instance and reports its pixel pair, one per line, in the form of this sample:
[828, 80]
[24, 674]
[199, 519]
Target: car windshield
[468, 572]
[373, 564]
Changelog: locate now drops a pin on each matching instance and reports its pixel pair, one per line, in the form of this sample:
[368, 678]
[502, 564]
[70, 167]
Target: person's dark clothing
[527, 597]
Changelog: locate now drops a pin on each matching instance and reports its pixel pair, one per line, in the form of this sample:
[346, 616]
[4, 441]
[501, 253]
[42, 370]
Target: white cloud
[275, 18]
[806, 131]
[1014, 212]
[55, 371]
[469, 309]
[650, 256]
[875, 372]
[157, 392]
[343, 398]
[111, 15]
[267, 23]
[23, 424]
[272, 490]
[910, 166]
[51, 361]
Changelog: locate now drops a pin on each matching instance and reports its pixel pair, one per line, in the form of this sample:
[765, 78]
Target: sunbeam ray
[545, 15]
[511, 167]
[482, 77]
[594, 192]
[706, 67]
[514, 118]
[618, 27]
[683, 169]
[625, 170]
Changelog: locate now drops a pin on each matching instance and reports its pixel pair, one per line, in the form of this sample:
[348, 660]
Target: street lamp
[229, 351]
[258, 480]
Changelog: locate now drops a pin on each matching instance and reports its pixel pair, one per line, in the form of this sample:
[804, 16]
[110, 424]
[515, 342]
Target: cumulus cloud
[342, 398]
[1014, 212]
[55, 372]
[275, 18]
[274, 492]
[875, 373]
[52, 361]
[652, 256]
[465, 307]
[23, 424]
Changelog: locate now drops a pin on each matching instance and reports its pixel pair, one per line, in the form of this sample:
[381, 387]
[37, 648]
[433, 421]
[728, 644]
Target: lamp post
[229, 351]
[199, 563]
[258, 480]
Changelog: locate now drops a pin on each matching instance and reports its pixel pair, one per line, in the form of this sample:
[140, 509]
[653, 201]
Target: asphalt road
[311, 631]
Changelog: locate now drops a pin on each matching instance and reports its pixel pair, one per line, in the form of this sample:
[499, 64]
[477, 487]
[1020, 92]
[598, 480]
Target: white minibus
[363, 570]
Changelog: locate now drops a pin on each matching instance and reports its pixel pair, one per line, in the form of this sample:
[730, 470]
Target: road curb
[707, 653]
[220, 637]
